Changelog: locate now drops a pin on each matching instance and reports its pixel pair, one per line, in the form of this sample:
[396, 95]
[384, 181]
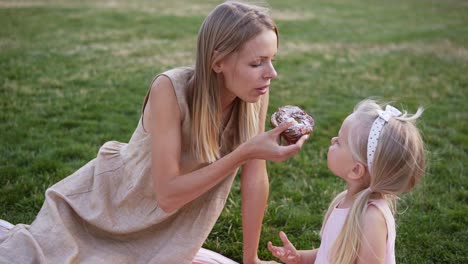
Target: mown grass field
[73, 75]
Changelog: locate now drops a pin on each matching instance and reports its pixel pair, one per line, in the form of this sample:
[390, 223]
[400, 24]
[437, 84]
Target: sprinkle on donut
[303, 122]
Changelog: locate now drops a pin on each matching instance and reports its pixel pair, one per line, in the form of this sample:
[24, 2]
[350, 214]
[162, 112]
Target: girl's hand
[287, 253]
[266, 145]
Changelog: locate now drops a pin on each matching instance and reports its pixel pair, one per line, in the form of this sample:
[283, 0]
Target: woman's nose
[271, 73]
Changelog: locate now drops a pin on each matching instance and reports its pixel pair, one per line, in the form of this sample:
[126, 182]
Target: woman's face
[247, 73]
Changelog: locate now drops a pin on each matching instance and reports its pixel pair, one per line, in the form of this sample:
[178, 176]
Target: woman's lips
[263, 89]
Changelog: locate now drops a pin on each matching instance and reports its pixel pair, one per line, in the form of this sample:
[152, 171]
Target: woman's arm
[254, 188]
[374, 237]
[175, 188]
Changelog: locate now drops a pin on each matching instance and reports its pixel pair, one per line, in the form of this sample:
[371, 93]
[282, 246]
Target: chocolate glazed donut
[303, 122]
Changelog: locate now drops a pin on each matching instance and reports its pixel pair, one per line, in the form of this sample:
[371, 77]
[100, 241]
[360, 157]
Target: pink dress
[336, 221]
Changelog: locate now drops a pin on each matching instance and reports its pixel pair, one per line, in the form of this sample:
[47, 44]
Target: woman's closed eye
[261, 62]
[257, 63]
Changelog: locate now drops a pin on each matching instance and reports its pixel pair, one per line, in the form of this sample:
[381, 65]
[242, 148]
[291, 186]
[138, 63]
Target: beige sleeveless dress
[106, 212]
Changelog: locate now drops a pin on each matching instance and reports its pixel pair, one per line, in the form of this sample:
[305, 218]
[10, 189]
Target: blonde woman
[156, 199]
[379, 154]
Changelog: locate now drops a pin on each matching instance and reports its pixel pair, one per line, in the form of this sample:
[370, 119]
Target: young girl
[156, 198]
[379, 154]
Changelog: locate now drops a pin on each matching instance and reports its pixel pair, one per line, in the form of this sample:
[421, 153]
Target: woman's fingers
[284, 126]
[301, 140]
[266, 145]
[292, 149]
[281, 128]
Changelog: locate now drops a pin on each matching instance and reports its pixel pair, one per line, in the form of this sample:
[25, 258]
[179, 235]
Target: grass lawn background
[73, 76]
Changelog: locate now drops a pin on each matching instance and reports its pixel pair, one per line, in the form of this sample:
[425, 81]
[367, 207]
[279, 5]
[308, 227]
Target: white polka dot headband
[376, 128]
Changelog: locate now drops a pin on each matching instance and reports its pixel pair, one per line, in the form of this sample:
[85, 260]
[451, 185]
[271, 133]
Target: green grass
[73, 76]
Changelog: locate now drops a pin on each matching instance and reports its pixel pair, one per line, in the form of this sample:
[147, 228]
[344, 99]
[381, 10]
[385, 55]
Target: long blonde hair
[225, 30]
[399, 163]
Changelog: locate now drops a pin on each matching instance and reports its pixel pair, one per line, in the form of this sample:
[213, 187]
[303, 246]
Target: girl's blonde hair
[399, 163]
[224, 31]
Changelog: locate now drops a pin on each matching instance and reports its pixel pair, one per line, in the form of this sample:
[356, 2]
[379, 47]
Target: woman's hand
[266, 145]
[287, 253]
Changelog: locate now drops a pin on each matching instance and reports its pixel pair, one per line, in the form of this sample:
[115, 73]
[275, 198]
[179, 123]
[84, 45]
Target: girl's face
[247, 73]
[339, 158]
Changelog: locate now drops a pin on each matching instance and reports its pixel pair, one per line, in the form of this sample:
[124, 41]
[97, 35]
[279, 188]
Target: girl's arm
[254, 188]
[308, 256]
[173, 187]
[374, 237]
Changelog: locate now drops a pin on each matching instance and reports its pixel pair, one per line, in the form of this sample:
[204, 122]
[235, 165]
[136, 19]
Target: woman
[156, 199]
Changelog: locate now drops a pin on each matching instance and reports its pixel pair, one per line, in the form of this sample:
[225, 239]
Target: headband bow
[389, 112]
[376, 129]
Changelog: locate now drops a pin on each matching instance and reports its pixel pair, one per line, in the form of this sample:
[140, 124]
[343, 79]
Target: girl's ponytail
[345, 249]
